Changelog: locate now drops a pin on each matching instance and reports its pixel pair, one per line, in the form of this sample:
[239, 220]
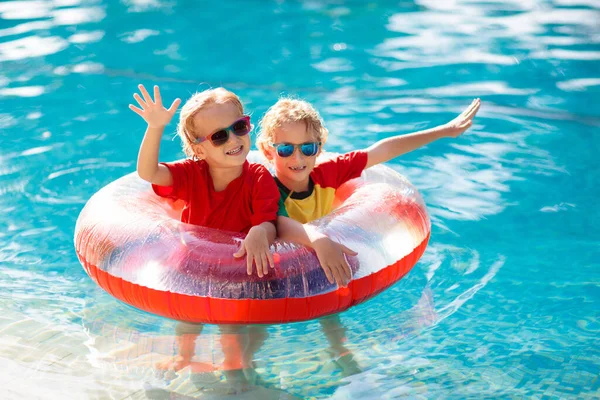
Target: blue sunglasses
[308, 149]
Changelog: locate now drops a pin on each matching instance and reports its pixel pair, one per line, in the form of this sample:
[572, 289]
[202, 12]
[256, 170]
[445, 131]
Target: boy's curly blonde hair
[288, 110]
[198, 101]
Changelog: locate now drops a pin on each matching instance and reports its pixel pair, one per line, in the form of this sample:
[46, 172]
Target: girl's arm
[157, 118]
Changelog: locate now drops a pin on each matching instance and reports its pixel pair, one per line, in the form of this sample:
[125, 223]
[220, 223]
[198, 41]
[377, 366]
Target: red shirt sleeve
[337, 171]
[182, 172]
[265, 196]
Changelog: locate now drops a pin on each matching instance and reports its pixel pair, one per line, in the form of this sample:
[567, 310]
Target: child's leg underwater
[186, 346]
[257, 335]
[335, 332]
[239, 344]
[186, 338]
[234, 341]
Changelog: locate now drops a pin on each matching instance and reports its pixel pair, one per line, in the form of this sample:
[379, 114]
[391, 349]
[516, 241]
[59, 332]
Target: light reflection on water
[502, 303]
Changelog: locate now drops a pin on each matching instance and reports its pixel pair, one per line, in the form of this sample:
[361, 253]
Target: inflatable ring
[132, 244]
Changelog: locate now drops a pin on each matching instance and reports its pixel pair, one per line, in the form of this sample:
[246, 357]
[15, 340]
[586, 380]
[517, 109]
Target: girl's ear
[199, 151]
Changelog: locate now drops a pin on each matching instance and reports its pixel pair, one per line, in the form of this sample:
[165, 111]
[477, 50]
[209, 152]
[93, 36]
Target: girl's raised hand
[153, 112]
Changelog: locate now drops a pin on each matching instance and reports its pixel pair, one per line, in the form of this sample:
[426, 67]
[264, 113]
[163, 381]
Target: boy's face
[293, 171]
[211, 119]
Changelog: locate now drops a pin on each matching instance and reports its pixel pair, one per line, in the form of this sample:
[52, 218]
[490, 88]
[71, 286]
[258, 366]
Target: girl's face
[293, 171]
[214, 118]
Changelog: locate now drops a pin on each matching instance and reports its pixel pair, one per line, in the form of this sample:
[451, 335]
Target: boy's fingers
[346, 270]
[327, 273]
[348, 251]
[174, 106]
[469, 109]
[466, 125]
[473, 111]
[337, 275]
[136, 110]
[145, 94]
[474, 107]
[157, 98]
[343, 275]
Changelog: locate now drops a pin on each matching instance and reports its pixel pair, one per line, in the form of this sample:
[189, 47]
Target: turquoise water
[505, 301]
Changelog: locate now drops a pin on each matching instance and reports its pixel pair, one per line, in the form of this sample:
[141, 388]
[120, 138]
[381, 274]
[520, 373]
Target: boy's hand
[463, 122]
[256, 248]
[332, 257]
[153, 112]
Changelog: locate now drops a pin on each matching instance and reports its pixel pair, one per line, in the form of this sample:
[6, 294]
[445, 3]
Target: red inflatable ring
[132, 244]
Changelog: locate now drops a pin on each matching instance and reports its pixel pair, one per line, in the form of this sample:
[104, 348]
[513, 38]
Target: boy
[291, 137]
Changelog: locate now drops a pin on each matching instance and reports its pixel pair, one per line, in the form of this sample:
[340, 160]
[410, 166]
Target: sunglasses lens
[219, 138]
[285, 150]
[309, 149]
[241, 127]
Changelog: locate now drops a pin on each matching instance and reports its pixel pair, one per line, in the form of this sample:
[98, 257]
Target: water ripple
[578, 85]
[87, 37]
[139, 35]
[32, 46]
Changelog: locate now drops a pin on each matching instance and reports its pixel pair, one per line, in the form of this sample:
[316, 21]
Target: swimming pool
[501, 304]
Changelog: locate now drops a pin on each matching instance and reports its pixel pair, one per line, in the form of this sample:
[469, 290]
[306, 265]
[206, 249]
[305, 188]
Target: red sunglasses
[241, 127]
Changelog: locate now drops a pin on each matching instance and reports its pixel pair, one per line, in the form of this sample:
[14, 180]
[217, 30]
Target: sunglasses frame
[227, 130]
[296, 146]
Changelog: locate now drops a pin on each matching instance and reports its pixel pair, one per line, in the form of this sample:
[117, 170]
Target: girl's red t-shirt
[249, 200]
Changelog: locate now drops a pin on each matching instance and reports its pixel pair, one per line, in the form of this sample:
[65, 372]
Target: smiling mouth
[298, 168]
[235, 152]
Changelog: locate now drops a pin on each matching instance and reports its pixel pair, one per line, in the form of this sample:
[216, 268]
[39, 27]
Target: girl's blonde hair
[200, 100]
[288, 110]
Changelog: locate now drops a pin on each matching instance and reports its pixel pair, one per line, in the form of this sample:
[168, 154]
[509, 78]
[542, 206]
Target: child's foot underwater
[238, 382]
[346, 363]
[207, 379]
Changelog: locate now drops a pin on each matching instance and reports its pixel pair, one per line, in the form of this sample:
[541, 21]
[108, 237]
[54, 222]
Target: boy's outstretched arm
[157, 118]
[390, 148]
[331, 255]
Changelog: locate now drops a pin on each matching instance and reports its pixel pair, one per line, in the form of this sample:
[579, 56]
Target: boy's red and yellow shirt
[324, 180]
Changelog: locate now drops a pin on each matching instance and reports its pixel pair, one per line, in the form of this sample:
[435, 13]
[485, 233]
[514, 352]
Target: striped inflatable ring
[132, 244]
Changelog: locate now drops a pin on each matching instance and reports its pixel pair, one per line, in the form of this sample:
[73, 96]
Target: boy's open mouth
[235, 152]
[298, 168]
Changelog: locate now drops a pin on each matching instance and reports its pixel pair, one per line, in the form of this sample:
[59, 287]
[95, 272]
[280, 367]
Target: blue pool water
[505, 301]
